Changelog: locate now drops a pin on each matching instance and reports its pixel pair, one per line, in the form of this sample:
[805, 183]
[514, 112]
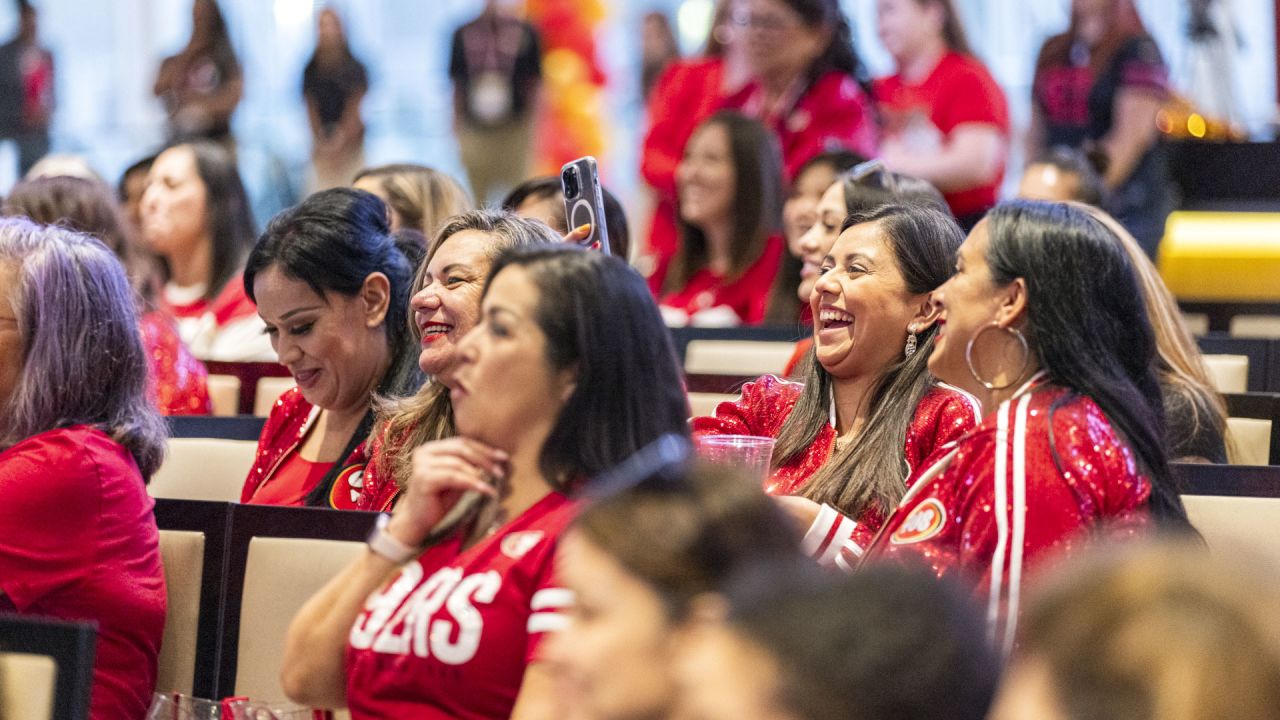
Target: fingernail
[582, 228]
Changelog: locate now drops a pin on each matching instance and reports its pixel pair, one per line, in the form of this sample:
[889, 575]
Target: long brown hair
[871, 471]
[87, 206]
[1179, 365]
[757, 164]
[405, 423]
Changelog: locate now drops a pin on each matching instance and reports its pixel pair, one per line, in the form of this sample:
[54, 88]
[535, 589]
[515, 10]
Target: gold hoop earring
[1026, 356]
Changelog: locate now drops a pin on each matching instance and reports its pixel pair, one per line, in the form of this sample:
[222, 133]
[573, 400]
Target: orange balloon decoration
[572, 120]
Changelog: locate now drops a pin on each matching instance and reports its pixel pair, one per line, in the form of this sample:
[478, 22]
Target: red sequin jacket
[290, 419]
[943, 415]
[998, 503]
[179, 382]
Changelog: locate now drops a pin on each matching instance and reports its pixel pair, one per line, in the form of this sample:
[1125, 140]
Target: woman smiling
[333, 290]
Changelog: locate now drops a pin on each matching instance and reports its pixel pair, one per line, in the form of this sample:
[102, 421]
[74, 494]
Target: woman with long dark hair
[333, 290]
[1098, 87]
[1045, 323]
[79, 439]
[202, 85]
[868, 413]
[569, 372]
[333, 84]
[686, 93]
[862, 189]
[196, 220]
[807, 80]
[730, 183]
[945, 118]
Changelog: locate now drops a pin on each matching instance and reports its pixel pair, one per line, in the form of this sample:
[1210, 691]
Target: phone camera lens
[569, 179]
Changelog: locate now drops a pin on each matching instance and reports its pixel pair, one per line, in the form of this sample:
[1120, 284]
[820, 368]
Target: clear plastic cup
[750, 454]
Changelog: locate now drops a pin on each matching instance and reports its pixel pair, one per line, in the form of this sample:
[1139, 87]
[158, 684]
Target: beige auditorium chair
[268, 391]
[1256, 326]
[737, 357]
[26, 686]
[182, 552]
[1250, 441]
[280, 575]
[203, 469]
[1251, 523]
[1230, 373]
[224, 394]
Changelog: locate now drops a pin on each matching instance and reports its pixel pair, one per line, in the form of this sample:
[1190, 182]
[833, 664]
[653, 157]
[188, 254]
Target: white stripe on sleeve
[819, 530]
[843, 535]
[547, 622]
[551, 599]
[1000, 511]
[1019, 521]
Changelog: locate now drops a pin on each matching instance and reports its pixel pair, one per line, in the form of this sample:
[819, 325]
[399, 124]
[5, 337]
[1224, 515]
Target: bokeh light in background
[107, 54]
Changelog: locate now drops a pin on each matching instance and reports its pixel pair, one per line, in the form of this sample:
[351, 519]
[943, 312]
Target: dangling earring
[911, 341]
[1026, 355]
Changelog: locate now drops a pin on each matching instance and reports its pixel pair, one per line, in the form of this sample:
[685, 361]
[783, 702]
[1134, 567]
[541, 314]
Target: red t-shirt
[832, 114]
[747, 296]
[685, 94]
[291, 482]
[78, 541]
[959, 91]
[449, 638]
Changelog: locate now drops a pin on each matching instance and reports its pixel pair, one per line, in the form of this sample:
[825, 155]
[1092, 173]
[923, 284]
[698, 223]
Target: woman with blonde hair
[1165, 631]
[417, 197]
[1195, 415]
[445, 307]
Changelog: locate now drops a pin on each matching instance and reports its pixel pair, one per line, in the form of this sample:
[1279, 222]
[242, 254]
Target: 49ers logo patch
[922, 523]
[516, 545]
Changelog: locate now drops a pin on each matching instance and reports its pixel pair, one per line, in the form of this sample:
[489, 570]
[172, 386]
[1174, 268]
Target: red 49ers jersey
[451, 635]
[998, 503]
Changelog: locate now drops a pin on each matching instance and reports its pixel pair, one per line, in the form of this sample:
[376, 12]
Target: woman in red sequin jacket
[869, 412]
[1045, 323]
[333, 290]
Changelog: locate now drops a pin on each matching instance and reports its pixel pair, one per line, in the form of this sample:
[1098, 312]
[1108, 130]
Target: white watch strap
[386, 545]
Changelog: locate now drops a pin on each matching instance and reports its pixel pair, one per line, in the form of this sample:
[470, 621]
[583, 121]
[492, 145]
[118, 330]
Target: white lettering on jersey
[395, 635]
[381, 605]
[473, 589]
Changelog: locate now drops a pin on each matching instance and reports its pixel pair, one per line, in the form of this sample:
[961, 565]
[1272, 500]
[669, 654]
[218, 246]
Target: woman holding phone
[569, 372]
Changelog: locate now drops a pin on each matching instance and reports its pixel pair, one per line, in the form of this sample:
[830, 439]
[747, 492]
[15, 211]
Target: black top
[496, 48]
[1078, 107]
[331, 87]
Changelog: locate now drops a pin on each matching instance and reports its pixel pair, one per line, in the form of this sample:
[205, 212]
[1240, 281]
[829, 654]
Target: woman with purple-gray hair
[78, 440]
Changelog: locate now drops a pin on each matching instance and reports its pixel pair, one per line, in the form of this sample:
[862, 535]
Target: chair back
[737, 357]
[281, 574]
[68, 646]
[269, 390]
[182, 552]
[1237, 521]
[224, 394]
[1230, 373]
[203, 469]
[27, 685]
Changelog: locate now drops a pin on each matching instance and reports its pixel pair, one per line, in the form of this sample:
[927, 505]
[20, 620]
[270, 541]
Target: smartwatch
[385, 545]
